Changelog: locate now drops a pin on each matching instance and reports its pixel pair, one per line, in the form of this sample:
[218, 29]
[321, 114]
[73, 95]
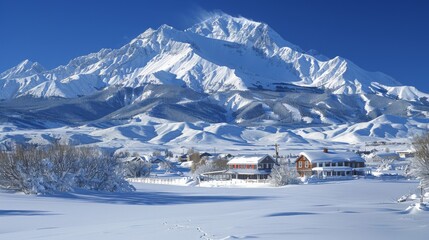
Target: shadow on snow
[288, 214]
[23, 213]
[149, 198]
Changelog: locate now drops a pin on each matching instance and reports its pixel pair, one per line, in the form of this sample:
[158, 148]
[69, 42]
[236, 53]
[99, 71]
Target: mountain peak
[242, 30]
[25, 62]
[156, 35]
[225, 18]
[23, 69]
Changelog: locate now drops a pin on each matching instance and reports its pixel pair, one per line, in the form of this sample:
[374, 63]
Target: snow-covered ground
[358, 209]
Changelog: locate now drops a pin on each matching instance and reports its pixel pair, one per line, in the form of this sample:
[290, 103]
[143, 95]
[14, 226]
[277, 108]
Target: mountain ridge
[225, 79]
[136, 60]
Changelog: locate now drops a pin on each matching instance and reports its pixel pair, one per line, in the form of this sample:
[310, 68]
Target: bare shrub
[210, 166]
[420, 163]
[137, 168]
[282, 174]
[59, 167]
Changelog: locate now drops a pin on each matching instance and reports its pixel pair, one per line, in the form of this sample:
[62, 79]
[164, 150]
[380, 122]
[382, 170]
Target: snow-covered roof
[331, 156]
[156, 157]
[254, 159]
[405, 151]
[131, 159]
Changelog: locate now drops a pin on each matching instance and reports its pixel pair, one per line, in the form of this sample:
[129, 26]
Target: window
[306, 164]
[300, 164]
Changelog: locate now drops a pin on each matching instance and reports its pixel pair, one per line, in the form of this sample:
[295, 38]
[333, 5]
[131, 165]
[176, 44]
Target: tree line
[60, 167]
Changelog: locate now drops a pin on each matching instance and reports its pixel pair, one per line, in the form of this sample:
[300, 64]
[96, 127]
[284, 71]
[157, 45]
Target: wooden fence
[168, 181]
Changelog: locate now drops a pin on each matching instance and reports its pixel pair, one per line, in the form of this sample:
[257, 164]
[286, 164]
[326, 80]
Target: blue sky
[387, 36]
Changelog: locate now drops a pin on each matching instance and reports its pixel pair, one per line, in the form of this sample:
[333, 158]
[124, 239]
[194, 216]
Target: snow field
[360, 209]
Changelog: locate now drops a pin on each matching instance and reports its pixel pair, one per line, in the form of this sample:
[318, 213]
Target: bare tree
[137, 168]
[282, 174]
[210, 166]
[220, 164]
[59, 167]
[156, 153]
[196, 160]
[420, 163]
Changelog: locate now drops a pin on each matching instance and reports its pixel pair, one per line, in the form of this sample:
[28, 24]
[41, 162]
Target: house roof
[247, 159]
[157, 159]
[405, 151]
[205, 154]
[331, 156]
[132, 159]
[387, 155]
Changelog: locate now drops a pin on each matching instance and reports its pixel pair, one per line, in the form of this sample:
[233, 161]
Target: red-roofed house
[330, 164]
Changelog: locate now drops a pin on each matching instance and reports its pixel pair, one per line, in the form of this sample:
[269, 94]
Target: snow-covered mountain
[224, 70]
[220, 54]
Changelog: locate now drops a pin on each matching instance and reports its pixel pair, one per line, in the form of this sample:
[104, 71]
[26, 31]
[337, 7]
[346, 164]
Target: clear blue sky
[387, 36]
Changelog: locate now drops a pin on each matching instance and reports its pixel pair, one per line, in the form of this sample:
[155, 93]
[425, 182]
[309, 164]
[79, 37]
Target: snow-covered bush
[27, 169]
[58, 167]
[420, 163]
[137, 168]
[211, 166]
[282, 174]
[99, 171]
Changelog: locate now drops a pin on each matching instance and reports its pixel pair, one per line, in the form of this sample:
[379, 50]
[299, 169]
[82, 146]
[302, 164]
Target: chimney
[325, 150]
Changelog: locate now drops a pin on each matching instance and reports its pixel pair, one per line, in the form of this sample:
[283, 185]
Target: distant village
[323, 164]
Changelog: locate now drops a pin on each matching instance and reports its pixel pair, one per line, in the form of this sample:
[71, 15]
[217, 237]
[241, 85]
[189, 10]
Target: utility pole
[277, 153]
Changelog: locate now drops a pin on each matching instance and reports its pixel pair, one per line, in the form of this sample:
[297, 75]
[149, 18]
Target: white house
[405, 153]
[326, 163]
[250, 167]
[386, 156]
